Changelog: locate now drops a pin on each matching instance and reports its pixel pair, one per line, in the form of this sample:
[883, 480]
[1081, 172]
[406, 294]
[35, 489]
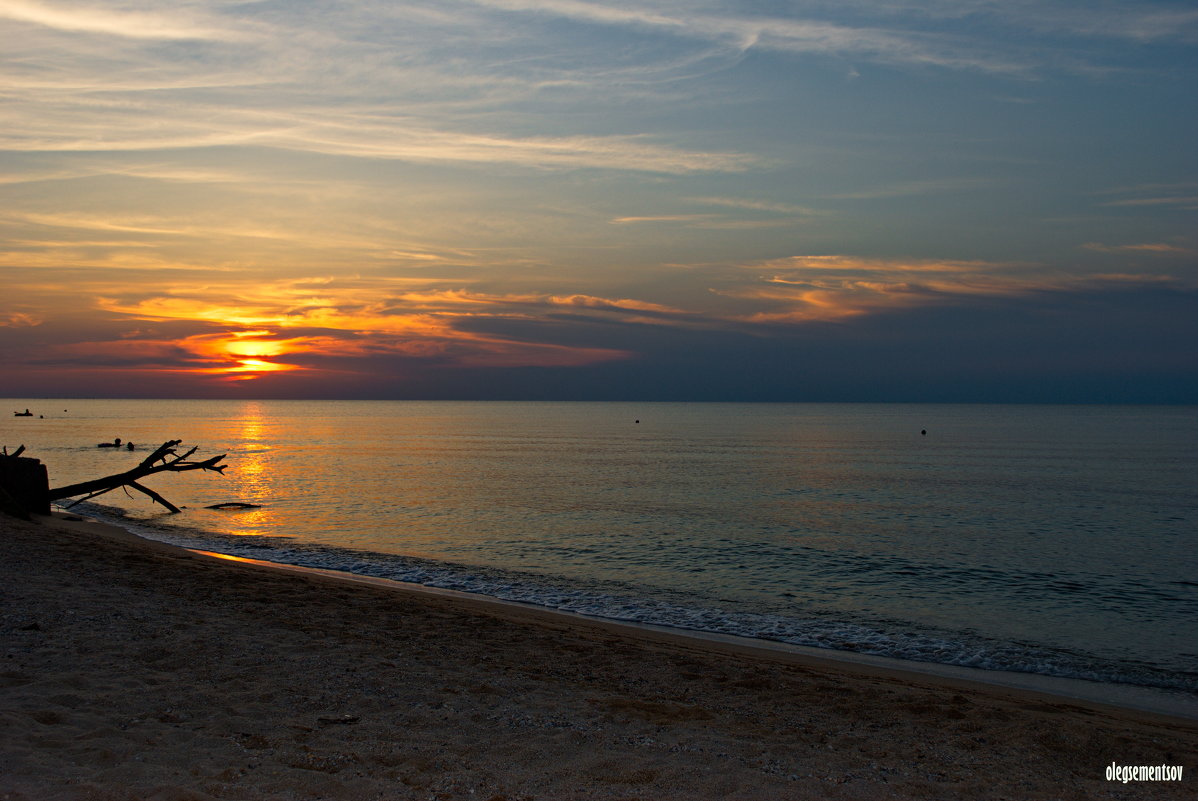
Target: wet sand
[134, 670]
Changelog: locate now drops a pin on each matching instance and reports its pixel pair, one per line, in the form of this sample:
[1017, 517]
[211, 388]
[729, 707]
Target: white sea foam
[621, 602]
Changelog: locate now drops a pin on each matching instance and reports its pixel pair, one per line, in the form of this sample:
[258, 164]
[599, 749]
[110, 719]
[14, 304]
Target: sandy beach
[134, 670]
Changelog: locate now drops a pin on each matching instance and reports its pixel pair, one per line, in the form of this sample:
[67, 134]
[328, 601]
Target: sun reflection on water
[255, 480]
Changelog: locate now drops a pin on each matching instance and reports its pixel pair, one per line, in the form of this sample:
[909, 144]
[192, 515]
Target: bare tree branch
[164, 458]
[154, 496]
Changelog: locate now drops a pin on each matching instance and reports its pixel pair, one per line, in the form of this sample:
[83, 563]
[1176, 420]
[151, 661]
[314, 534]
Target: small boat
[25, 413]
[116, 443]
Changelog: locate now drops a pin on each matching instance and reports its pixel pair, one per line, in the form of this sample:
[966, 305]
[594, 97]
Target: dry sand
[132, 670]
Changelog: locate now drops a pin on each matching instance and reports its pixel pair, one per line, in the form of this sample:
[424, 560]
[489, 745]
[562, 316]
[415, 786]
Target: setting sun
[259, 366]
[242, 355]
[241, 345]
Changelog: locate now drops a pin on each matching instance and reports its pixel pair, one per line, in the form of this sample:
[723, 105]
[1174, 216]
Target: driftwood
[164, 459]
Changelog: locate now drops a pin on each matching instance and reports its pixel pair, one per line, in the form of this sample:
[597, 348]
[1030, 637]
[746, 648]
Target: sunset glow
[241, 346]
[555, 199]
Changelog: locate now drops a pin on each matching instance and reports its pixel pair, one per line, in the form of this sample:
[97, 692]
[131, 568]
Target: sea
[1053, 540]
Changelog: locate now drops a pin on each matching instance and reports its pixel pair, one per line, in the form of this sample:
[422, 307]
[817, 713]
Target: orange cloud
[242, 355]
[236, 355]
[592, 302]
[355, 321]
[840, 263]
[349, 303]
[16, 319]
[836, 287]
[311, 323]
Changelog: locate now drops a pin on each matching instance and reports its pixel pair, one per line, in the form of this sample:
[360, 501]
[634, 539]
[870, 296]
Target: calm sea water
[1051, 539]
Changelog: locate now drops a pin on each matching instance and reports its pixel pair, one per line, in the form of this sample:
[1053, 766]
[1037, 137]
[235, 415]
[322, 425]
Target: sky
[859, 200]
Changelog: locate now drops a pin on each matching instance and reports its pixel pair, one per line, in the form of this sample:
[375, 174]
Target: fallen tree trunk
[164, 459]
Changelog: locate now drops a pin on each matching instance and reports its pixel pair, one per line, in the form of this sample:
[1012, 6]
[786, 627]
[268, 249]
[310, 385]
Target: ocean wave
[618, 601]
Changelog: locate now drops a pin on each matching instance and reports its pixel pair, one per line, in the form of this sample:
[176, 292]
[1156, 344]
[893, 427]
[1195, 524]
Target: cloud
[753, 214]
[759, 205]
[591, 12]
[19, 319]
[1188, 203]
[362, 134]
[658, 218]
[80, 18]
[1015, 39]
[745, 32]
[226, 232]
[245, 354]
[1108, 341]
[367, 82]
[840, 263]
[592, 302]
[383, 140]
[375, 305]
[824, 288]
[1147, 247]
[523, 182]
[345, 322]
[1140, 21]
[1180, 196]
[141, 224]
[704, 221]
[916, 188]
[417, 83]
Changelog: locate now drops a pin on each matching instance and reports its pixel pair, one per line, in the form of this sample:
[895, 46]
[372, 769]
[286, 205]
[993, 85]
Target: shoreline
[134, 668]
[1147, 687]
[1169, 706]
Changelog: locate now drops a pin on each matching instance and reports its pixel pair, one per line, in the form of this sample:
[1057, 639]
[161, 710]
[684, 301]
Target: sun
[255, 348]
[246, 355]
